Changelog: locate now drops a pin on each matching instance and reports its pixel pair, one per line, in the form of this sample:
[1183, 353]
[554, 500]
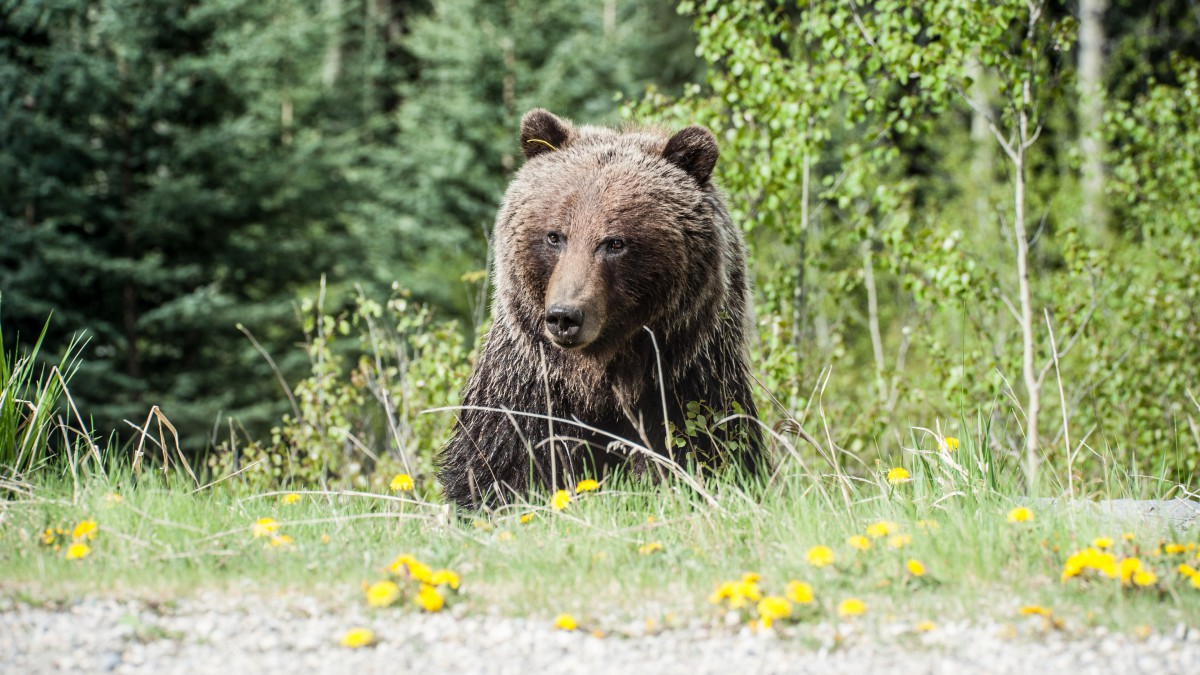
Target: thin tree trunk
[1033, 404]
[331, 69]
[983, 151]
[873, 320]
[1091, 110]
[800, 298]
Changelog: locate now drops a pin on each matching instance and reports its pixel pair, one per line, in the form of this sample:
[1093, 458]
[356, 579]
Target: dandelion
[738, 593]
[899, 540]
[881, 529]
[1038, 610]
[382, 593]
[1187, 570]
[819, 556]
[651, 548]
[851, 607]
[924, 626]
[85, 530]
[560, 500]
[859, 542]
[1144, 577]
[1127, 568]
[526, 518]
[429, 599]
[1128, 536]
[282, 540]
[401, 482]
[951, 443]
[1174, 549]
[1102, 542]
[264, 527]
[444, 578]
[897, 475]
[1021, 514]
[48, 536]
[325, 538]
[586, 485]
[751, 577]
[358, 637]
[1093, 559]
[78, 550]
[915, 567]
[1195, 581]
[565, 622]
[773, 607]
[291, 498]
[799, 592]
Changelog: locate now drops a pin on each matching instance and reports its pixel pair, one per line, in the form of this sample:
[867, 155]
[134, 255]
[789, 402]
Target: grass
[165, 538]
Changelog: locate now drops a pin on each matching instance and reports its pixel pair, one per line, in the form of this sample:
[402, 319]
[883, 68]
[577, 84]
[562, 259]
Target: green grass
[165, 538]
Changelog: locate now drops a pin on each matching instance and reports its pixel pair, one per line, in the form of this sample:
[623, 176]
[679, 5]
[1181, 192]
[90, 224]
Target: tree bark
[1091, 111]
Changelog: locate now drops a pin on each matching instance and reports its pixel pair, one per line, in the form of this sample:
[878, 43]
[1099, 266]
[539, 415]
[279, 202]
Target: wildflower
[85, 530]
[738, 593]
[897, 475]
[78, 550]
[899, 540]
[586, 485]
[1093, 559]
[291, 498]
[401, 482]
[951, 443]
[773, 607]
[405, 564]
[1021, 514]
[1173, 549]
[881, 529]
[565, 622]
[1030, 610]
[799, 592]
[282, 540]
[1128, 536]
[113, 498]
[264, 527]
[48, 536]
[444, 578]
[1127, 568]
[358, 637]
[382, 593]
[915, 567]
[325, 538]
[1102, 542]
[751, 577]
[859, 542]
[1144, 577]
[651, 548]
[429, 599]
[560, 500]
[924, 626]
[851, 607]
[1187, 570]
[1195, 581]
[819, 556]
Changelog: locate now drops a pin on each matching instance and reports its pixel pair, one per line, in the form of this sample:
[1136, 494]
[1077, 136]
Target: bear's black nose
[563, 321]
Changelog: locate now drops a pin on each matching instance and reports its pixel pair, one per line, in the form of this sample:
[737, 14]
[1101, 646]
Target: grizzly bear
[620, 319]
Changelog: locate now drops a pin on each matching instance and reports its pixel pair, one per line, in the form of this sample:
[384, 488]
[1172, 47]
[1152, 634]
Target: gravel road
[227, 635]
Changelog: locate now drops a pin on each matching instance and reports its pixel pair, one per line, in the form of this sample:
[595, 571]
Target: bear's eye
[615, 245]
[553, 238]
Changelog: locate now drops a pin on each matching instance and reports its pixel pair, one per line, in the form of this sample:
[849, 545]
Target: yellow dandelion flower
[1127, 568]
[264, 527]
[819, 556]
[527, 517]
[382, 593]
[899, 540]
[586, 485]
[1128, 536]
[751, 577]
[1021, 514]
[1174, 549]
[881, 529]
[773, 607]
[744, 593]
[924, 626]
[429, 599]
[565, 622]
[915, 567]
[951, 443]
[897, 475]
[1187, 570]
[48, 536]
[851, 607]
[291, 498]
[859, 542]
[358, 637]
[1102, 542]
[444, 578]
[1144, 578]
[282, 540]
[1195, 581]
[406, 565]
[401, 482]
[724, 592]
[325, 538]
[85, 530]
[799, 592]
[650, 548]
[1030, 610]
[78, 550]
[560, 500]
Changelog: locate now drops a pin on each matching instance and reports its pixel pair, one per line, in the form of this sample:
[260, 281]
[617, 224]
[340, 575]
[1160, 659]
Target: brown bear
[621, 296]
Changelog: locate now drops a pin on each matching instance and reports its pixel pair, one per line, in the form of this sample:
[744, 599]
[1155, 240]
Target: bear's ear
[695, 151]
[542, 131]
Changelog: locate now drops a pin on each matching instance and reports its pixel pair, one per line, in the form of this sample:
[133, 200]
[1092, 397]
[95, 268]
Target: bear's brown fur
[615, 261]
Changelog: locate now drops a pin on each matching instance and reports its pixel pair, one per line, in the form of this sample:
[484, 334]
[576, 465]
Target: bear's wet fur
[615, 261]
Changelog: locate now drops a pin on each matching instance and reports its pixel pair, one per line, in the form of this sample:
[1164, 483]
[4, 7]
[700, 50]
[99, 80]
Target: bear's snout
[563, 322]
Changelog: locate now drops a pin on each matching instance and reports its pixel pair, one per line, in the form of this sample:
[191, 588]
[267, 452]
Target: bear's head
[604, 232]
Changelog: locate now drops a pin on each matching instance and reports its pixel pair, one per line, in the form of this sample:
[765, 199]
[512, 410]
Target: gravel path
[227, 636]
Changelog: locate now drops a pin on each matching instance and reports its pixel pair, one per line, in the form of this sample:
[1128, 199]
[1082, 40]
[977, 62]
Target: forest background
[968, 217]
